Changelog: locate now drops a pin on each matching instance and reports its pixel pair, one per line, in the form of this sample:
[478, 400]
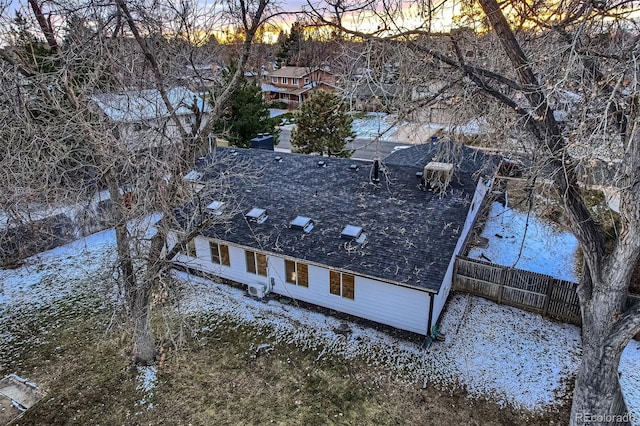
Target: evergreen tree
[246, 115]
[323, 126]
[291, 45]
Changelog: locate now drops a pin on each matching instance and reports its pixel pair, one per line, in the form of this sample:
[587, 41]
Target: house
[292, 85]
[141, 119]
[372, 240]
[202, 78]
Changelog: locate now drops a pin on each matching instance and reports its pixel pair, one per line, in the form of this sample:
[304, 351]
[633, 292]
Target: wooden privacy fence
[532, 291]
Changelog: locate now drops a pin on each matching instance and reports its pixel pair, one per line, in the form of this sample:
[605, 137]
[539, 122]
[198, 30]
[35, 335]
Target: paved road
[366, 149]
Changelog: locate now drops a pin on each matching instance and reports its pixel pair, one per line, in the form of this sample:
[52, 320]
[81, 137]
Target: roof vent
[419, 175]
[257, 215]
[321, 163]
[278, 158]
[354, 233]
[376, 171]
[303, 223]
[216, 207]
[234, 153]
[354, 167]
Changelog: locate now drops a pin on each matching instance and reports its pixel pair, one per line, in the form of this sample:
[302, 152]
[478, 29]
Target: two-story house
[292, 85]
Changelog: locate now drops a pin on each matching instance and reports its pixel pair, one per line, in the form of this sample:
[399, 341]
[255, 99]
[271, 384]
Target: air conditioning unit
[257, 290]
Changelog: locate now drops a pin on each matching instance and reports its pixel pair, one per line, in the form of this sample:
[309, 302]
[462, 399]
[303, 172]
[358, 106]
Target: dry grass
[219, 377]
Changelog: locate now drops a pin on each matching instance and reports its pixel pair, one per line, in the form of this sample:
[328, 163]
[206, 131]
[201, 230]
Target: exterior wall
[476, 203]
[393, 305]
[153, 133]
[317, 76]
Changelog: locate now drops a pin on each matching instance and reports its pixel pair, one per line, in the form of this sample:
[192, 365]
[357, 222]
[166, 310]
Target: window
[294, 81]
[342, 284]
[285, 80]
[306, 80]
[296, 273]
[219, 253]
[189, 248]
[256, 262]
[274, 80]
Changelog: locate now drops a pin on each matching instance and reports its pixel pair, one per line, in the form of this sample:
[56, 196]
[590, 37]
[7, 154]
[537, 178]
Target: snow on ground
[59, 282]
[53, 283]
[475, 127]
[147, 378]
[375, 125]
[46, 277]
[630, 379]
[547, 249]
[482, 340]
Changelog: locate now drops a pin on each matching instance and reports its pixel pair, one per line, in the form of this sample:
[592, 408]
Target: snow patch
[545, 248]
[147, 378]
[375, 125]
[630, 379]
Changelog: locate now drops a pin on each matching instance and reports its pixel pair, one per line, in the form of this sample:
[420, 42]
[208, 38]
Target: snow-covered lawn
[527, 242]
[494, 351]
[375, 125]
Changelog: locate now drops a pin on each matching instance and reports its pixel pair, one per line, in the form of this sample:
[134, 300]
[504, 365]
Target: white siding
[393, 305]
[441, 298]
[399, 307]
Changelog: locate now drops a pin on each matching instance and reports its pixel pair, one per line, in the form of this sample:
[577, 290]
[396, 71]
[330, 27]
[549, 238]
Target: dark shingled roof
[410, 233]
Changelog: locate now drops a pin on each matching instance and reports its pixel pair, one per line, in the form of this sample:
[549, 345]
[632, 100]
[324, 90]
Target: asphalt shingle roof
[411, 233]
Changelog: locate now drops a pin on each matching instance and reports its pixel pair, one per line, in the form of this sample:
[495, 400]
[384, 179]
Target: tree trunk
[144, 349]
[136, 293]
[597, 389]
[597, 393]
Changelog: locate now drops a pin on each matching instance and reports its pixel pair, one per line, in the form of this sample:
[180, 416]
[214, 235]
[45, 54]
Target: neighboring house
[368, 95]
[203, 78]
[256, 77]
[327, 232]
[293, 85]
[142, 120]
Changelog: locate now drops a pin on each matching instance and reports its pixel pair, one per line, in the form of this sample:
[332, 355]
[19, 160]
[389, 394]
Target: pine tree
[291, 45]
[247, 115]
[323, 126]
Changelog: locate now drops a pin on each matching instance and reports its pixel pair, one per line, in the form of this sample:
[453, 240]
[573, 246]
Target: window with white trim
[285, 80]
[219, 253]
[342, 284]
[296, 273]
[256, 262]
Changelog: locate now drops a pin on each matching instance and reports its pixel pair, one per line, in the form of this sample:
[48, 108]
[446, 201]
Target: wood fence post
[505, 273]
[551, 283]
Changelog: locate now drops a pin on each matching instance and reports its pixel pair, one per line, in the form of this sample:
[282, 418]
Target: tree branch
[551, 139]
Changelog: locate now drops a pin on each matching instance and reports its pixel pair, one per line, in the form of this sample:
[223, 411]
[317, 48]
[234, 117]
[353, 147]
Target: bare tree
[567, 74]
[121, 45]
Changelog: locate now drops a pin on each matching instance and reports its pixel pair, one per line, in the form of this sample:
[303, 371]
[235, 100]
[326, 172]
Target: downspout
[430, 314]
